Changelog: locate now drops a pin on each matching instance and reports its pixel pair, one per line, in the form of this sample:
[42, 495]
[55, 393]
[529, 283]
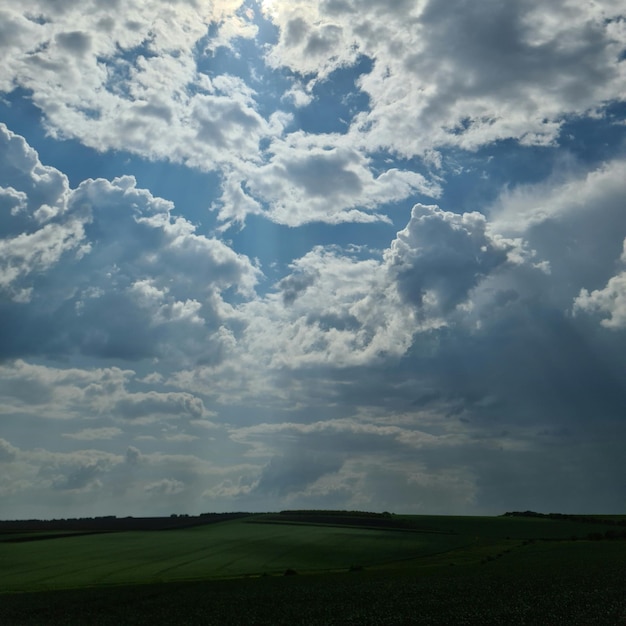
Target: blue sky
[347, 254]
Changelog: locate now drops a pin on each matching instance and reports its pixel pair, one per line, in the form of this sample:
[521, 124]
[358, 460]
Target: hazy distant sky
[356, 254]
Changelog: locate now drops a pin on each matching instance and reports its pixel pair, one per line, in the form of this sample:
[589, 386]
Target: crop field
[222, 550]
[406, 570]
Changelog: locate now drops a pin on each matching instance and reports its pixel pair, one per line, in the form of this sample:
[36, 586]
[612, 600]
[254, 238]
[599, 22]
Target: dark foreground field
[353, 570]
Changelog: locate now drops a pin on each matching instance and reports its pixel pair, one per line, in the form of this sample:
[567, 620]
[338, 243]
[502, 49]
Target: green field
[230, 549]
[435, 570]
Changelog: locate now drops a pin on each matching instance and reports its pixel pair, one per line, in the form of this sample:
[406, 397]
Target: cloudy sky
[356, 254]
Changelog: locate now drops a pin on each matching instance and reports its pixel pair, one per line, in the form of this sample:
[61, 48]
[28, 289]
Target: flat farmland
[352, 569]
[236, 548]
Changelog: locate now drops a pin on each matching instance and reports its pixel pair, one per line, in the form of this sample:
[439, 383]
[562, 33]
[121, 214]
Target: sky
[345, 254]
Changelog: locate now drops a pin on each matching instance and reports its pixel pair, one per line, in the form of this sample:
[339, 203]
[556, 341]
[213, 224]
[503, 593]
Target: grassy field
[231, 549]
[437, 570]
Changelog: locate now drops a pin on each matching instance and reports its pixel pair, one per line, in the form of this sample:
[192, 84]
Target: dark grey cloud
[295, 31]
[399, 7]
[440, 256]
[503, 48]
[538, 365]
[582, 247]
[76, 42]
[337, 7]
[294, 284]
[82, 477]
[62, 6]
[133, 455]
[325, 174]
[156, 109]
[564, 476]
[323, 41]
[294, 471]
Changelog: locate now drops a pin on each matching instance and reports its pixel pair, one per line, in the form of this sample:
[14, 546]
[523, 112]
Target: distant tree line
[585, 519]
[109, 523]
[343, 513]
